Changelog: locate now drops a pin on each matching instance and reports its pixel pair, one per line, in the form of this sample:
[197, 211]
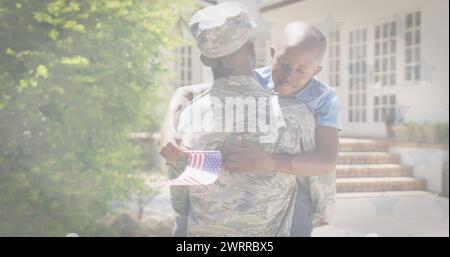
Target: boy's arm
[251, 157]
[318, 163]
[170, 142]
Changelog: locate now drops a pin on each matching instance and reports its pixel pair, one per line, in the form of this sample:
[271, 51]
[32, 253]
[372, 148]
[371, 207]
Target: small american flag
[202, 169]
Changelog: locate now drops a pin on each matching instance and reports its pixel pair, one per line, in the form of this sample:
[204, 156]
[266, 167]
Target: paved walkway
[412, 213]
[390, 214]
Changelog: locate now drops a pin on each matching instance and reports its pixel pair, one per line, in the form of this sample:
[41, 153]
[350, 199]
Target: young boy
[295, 64]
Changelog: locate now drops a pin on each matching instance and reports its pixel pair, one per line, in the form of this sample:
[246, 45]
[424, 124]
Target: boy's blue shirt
[319, 97]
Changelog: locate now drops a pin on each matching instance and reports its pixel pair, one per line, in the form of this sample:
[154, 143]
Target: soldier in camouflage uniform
[240, 204]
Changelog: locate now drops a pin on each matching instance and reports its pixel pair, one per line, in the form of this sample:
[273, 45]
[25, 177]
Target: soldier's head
[241, 62]
[296, 59]
[223, 34]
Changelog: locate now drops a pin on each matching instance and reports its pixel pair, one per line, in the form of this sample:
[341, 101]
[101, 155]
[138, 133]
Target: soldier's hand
[171, 147]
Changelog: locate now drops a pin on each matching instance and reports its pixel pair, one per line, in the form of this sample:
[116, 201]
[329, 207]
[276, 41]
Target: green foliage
[441, 135]
[437, 133]
[76, 77]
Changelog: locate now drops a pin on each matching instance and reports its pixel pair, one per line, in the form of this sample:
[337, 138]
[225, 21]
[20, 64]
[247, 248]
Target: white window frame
[412, 47]
[383, 105]
[334, 60]
[385, 54]
[183, 65]
[358, 75]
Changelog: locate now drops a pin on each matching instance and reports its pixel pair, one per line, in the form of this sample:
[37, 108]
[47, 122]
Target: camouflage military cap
[222, 29]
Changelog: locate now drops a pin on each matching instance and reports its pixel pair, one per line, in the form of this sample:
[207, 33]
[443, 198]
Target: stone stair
[367, 166]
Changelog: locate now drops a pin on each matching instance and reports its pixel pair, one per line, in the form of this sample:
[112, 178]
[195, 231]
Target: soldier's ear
[272, 51]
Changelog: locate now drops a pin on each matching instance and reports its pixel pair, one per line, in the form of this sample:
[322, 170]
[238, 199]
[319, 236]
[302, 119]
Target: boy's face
[292, 69]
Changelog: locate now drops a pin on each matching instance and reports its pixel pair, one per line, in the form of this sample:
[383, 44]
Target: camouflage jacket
[254, 203]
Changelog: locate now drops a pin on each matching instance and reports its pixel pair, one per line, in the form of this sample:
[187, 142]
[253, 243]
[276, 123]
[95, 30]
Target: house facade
[387, 59]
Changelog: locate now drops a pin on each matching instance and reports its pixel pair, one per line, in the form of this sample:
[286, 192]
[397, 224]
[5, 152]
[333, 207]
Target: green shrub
[441, 133]
[76, 78]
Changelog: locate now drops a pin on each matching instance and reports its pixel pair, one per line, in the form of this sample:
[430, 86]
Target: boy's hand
[171, 148]
[246, 157]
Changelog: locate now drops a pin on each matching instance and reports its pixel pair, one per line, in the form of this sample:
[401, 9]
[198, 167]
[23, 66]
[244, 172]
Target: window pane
[385, 64]
[385, 30]
[393, 29]
[417, 37]
[393, 46]
[375, 115]
[417, 19]
[383, 114]
[377, 32]
[392, 99]
[350, 100]
[417, 54]
[391, 112]
[408, 55]
[408, 73]
[417, 72]
[385, 47]
[392, 79]
[408, 38]
[409, 20]
[377, 49]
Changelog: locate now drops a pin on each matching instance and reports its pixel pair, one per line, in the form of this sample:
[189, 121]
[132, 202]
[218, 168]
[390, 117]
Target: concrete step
[379, 184]
[368, 158]
[372, 170]
[386, 193]
[361, 145]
